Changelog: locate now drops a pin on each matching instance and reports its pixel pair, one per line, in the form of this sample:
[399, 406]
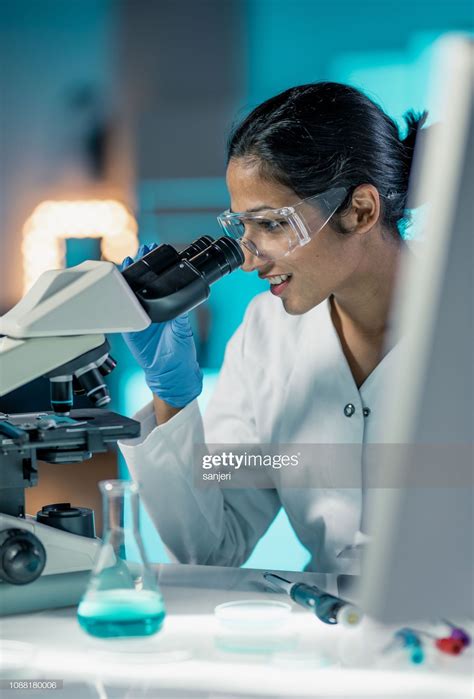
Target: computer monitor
[420, 561]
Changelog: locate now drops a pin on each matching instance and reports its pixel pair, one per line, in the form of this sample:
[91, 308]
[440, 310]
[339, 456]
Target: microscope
[58, 331]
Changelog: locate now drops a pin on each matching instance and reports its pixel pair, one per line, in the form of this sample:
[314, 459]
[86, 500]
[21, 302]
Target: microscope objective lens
[61, 396]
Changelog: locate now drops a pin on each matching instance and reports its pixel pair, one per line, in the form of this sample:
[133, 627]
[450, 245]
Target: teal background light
[385, 49]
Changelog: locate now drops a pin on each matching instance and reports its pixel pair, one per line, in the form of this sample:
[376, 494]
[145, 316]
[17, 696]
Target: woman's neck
[366, 301]
[361, 311]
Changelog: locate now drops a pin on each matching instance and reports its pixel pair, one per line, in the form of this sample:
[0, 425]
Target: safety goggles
[273, 233]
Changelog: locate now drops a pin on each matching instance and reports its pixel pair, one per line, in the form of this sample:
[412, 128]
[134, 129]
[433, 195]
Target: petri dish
[253, 615]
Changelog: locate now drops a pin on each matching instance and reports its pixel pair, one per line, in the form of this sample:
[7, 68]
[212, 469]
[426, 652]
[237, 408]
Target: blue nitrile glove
[167, 354]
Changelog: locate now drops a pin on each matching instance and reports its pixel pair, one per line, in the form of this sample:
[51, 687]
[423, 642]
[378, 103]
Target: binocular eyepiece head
[168, 283]
[210, 259]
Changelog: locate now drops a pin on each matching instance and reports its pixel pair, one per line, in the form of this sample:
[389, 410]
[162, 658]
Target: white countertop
[186, 658]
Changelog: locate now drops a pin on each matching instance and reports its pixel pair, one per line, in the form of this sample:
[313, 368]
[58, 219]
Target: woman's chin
[296, 305]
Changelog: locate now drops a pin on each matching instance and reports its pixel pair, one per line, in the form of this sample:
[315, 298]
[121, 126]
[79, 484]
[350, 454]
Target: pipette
[328, 608]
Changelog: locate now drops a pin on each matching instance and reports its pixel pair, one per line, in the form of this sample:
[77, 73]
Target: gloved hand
[167, 354]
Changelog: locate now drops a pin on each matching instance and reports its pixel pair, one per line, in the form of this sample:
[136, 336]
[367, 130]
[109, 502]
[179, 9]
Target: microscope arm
[25, 360]
[66, 313]
[63, 316]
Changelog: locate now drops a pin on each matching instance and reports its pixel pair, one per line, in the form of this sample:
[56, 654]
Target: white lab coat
[284, 379]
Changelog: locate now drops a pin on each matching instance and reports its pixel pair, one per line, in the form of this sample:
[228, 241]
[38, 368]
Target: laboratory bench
[193, 656]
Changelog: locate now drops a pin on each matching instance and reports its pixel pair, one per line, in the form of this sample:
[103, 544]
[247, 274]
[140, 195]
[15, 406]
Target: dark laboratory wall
[53, 54]
[182, 72]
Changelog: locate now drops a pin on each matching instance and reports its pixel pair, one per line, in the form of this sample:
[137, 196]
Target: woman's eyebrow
[264, 207]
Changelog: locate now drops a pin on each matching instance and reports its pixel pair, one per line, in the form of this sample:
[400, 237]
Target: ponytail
[414, 123]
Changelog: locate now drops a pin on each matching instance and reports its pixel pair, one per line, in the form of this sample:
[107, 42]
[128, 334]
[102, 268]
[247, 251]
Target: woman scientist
[318, 179]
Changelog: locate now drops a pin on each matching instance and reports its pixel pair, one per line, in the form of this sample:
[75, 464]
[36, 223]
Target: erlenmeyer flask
[122, 597]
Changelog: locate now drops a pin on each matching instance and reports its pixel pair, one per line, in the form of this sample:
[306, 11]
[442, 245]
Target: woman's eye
[270, 226]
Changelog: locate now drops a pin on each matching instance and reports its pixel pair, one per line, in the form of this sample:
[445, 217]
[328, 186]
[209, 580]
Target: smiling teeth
[279, 279]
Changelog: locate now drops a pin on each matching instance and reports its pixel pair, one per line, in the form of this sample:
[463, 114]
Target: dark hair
[324, 135]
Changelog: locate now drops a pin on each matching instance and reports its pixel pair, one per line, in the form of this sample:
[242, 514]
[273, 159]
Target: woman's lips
[278, 289]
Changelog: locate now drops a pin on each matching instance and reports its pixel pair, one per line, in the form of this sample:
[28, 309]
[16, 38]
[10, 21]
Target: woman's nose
[251, 261]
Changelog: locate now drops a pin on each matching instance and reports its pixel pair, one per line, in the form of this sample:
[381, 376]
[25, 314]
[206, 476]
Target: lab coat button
[349, 410]
[366, 412]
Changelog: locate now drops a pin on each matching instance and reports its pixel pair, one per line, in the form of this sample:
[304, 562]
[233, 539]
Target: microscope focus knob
[22, 556]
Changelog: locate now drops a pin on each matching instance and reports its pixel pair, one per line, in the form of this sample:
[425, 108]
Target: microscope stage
[64, 439]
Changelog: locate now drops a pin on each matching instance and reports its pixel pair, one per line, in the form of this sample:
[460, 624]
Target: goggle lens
[272, 234]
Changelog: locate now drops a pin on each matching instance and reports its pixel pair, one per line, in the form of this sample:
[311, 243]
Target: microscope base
[65, 552]
[47, 592]
[69, 561]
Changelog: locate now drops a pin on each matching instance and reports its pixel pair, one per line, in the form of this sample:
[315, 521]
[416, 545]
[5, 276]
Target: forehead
[249, 190]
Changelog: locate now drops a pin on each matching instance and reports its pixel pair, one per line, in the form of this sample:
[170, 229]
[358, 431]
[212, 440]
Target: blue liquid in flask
[119, 613]
[123, 598]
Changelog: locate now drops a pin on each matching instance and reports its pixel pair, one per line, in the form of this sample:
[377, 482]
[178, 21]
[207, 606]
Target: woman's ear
[364, 210]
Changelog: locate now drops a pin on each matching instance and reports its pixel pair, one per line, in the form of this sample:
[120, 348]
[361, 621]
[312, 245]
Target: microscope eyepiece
[221, 257]
[168, 283]
[196, 247]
